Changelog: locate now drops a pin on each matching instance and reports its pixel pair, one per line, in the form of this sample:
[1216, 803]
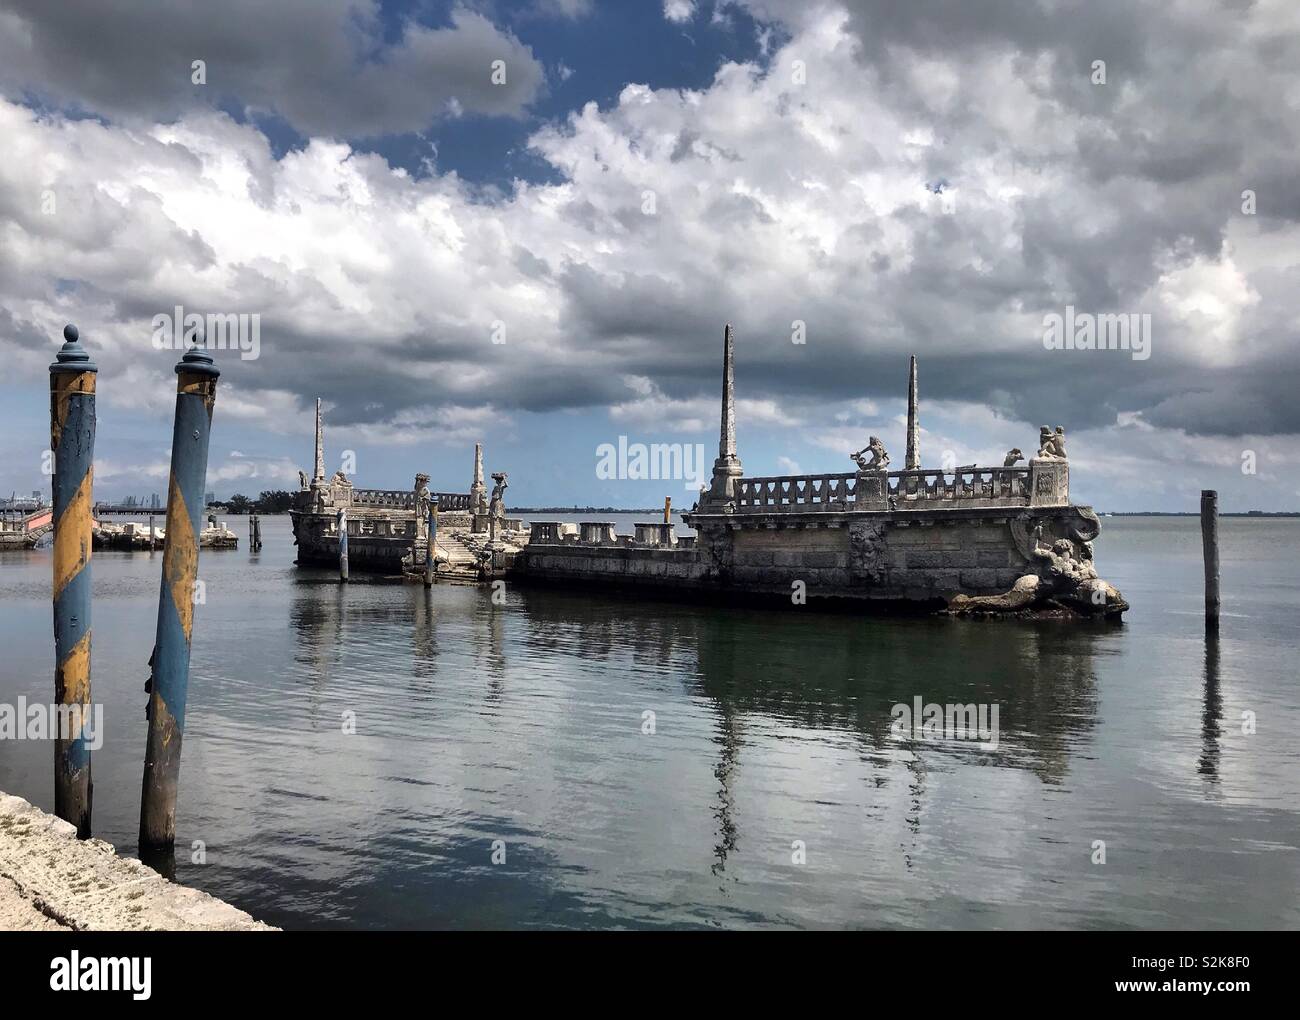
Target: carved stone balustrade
[655, 533]
[598, 533]
[1042, 483]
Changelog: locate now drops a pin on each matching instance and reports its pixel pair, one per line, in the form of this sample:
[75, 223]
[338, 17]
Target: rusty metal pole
[196, 392]
[668, 509]
[1210, 548]
[432, 550]
[343, 544]
[72, 440]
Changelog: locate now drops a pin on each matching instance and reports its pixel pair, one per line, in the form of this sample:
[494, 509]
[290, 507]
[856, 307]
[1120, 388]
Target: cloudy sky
[527, 223]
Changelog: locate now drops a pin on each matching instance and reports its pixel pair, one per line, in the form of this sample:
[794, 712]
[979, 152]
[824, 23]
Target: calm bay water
[523, 723]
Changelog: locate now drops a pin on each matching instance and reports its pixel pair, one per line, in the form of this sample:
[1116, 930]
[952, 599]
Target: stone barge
[23, 530]
[388, 529]
[970, 540]
[132, 536]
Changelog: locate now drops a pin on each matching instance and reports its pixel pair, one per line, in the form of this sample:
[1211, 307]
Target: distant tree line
[273, 501]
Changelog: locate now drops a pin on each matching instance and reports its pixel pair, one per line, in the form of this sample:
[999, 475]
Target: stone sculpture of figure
[422, 501]
[879, 458]
[339, 476]
[1051, 446]
[1012, 456]
[302, 479]
[497, 505]
[1066, 570]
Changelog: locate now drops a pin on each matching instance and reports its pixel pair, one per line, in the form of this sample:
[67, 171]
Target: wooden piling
[432, 550]
[196, 393]
[1210, 547]
[153, 544]
[72, 440]
[343, 545]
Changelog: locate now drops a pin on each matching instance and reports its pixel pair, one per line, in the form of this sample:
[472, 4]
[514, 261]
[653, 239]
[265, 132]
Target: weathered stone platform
[50, 880]
[921, 558]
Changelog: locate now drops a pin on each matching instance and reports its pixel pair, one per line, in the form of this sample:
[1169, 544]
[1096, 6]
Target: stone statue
[339, 476]
[422, 501]
[1012, 456]
[1051, 446]
[497, 504]
[879, 458]
[1066, 581]
[302, 479]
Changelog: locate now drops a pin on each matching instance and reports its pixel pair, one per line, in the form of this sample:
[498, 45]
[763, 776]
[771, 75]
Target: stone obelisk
[913, 460]
[726, 469]
[319, 476]
[477, 490]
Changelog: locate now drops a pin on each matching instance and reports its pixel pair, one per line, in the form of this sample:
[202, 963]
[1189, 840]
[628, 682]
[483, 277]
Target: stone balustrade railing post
[1049, 482]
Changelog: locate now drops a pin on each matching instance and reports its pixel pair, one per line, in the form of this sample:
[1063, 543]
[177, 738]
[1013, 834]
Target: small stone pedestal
[1049, 481]
[872, 491]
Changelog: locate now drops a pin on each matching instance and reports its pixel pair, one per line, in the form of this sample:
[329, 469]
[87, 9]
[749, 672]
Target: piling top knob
[197, 362]
[72, 357]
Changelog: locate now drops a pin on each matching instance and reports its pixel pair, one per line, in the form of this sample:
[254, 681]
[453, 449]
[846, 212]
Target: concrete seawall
[50, 880]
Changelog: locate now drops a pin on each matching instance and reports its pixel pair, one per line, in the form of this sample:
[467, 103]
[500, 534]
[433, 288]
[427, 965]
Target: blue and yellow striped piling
[196, 392]
[343, 544]
[432, 550]
[72, 439]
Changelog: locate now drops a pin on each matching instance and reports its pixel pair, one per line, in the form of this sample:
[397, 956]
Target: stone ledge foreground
[50, 880]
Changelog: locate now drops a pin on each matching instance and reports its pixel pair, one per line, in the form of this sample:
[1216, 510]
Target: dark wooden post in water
[72, 440]
[196, 392]
[432, 549]
[153, 544]
[1210, 544]
[343, 545]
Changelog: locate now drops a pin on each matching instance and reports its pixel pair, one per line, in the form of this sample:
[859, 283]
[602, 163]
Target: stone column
[913, 459]
[727, 468]
[477, 490]
[320, 446]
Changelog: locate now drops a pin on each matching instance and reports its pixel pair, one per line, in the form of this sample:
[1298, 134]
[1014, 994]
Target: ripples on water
[523, 723]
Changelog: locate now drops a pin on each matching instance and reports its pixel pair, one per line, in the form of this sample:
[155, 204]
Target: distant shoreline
[1103, 513]
[658, 512]
[1183, 513]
